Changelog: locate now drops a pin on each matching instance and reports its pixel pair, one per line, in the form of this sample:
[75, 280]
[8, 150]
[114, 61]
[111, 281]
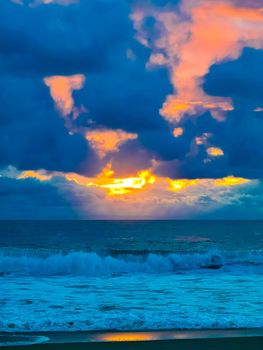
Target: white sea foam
[47, 290]
[130, 302]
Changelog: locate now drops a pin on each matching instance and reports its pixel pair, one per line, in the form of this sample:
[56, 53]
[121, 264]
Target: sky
[131, 109]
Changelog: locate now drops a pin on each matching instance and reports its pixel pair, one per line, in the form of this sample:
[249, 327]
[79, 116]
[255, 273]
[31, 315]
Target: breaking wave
[96, 264]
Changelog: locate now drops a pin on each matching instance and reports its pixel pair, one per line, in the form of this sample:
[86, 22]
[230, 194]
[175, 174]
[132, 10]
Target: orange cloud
[230, 181]
[38, 175]
[202, 33]
[184, 184]
[61, 88]
[215, 151]
[177, 132]
[105, 141]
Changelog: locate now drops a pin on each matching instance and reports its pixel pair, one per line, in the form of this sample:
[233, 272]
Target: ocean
[130, 275]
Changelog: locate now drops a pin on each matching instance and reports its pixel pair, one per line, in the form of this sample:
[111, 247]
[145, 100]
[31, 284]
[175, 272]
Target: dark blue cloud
[30, 199]
[241, 138]
[53, 39]
[95, 38]
[41, 41]
[32, 135]
[248, 206]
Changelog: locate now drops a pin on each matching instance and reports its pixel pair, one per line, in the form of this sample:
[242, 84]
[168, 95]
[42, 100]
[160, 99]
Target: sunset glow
[159, 119]
[115, 186]
[145, 178]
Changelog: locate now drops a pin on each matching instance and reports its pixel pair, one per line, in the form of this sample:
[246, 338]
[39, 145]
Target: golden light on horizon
[115, 186]
[231, 181]
[179, 185]
[132, 184]
[228, 181]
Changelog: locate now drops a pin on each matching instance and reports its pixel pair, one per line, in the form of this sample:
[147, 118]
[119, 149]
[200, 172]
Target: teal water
[130, 275]
[132, 235]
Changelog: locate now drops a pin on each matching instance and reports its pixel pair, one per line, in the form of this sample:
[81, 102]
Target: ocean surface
[130, 275]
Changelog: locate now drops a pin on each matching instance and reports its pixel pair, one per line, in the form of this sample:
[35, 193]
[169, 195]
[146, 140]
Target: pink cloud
[61, 88]
[198, 35]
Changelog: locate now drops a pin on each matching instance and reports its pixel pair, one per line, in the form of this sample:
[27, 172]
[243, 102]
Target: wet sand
[162, 340]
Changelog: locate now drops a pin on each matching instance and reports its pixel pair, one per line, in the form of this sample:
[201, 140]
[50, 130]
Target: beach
[251, 339]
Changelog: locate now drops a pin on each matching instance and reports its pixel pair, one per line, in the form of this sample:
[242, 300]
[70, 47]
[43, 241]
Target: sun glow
[142, 181]
[115, 186]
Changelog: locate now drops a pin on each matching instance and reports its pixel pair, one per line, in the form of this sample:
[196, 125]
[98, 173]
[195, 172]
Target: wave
[95, 264]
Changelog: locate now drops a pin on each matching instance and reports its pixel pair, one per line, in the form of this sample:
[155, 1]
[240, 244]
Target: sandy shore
[161, 340]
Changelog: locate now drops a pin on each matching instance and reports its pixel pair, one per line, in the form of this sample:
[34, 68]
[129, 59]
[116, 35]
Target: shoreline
[232, 339]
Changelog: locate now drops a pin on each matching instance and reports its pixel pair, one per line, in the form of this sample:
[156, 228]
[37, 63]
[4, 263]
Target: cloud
[39, 175]
[215, 151]
[52, 39]
[190, 38]
[240, 137]
[32, 136]
[156, 200]
[177, 132]
[119, 93]
[247, 205]
[30, 199]
[105, 141]
[51, 44]
[61, 88]
[104, 195]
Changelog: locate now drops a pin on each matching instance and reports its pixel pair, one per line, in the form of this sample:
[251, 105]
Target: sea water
[130, 275]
